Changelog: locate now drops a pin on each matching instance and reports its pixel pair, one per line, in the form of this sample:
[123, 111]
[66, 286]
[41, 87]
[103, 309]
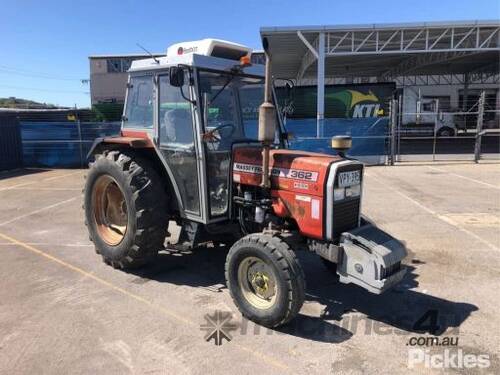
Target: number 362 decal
[294, 174]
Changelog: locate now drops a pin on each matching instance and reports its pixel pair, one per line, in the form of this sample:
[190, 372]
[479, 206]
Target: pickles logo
[358, 104]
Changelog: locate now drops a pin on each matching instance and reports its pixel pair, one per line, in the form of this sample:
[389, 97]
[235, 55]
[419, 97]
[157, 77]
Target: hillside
[13, 102]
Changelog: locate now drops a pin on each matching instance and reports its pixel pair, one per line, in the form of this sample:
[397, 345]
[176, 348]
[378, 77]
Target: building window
[114, 65]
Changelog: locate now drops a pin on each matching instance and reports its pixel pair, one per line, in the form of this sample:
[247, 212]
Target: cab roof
[193, 60]
[213, 54]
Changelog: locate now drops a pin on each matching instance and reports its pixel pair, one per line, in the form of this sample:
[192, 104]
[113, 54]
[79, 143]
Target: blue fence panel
[49, 131]
[51, 154]
[369, 136]
[10, 143]
[93, 130]
[61, 144]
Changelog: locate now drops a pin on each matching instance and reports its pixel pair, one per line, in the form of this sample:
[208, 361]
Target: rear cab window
[140, 103]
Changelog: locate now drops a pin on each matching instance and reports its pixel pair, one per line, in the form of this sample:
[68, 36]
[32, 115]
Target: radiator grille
[345, 212]
[345, 216]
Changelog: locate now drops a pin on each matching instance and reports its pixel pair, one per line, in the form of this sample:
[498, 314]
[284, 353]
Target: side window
[175, 123]
[251, 97]
[175, 118]
[139, 110]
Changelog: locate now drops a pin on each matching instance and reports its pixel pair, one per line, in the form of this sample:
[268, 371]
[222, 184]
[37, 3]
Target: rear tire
[268, 260]
[125, 209]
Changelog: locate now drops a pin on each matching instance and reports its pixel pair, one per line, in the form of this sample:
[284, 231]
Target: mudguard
[371, 258]
[133, 142]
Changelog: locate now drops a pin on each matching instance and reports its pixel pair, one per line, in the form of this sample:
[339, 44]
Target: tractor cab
[196, 104]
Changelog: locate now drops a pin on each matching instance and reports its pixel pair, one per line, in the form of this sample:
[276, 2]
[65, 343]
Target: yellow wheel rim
[110, 210]
[257, 282]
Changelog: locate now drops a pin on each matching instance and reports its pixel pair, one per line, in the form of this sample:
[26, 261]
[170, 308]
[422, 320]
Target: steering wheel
[217, 138]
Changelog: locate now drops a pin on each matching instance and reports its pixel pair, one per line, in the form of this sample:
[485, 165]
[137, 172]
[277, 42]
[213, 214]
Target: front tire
[125, 209]
[265, 280]
[446, 131]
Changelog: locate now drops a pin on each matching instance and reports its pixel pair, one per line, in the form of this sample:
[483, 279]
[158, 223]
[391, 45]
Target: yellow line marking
[91, 276]
[260, 356]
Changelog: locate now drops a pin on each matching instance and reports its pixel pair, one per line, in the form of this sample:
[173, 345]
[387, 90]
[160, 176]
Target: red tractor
[197, 147]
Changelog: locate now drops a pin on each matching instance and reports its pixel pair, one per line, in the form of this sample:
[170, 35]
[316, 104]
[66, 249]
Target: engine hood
[292, 170]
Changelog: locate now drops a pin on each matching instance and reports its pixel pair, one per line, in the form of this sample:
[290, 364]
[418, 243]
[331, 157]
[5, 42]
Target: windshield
[230, 104]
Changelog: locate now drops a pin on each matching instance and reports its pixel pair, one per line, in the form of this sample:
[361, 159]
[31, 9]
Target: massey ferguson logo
[294, 174]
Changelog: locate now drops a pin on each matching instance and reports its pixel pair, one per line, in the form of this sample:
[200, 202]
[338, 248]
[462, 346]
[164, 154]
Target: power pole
[479, 127]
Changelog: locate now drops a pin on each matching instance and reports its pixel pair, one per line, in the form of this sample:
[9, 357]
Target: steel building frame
[422, 44]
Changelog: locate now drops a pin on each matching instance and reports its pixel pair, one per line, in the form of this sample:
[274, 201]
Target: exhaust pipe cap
[341, 143]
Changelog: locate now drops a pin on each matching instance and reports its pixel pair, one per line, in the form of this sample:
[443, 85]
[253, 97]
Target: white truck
[440, 110]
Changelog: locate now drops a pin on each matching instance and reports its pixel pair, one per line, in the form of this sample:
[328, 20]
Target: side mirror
[288, 90]
[176, 76]
[287, 136]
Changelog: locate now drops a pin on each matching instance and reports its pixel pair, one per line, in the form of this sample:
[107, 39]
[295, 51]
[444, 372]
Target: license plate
[349, 178]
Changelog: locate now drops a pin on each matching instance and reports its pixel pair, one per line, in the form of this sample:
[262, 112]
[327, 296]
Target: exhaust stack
[267, 120]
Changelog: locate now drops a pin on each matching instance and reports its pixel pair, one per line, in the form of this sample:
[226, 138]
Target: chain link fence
[436, 132]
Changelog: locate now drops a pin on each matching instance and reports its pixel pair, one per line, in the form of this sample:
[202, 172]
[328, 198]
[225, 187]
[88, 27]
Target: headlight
[347, 192]
[353, 191]
[338, 194]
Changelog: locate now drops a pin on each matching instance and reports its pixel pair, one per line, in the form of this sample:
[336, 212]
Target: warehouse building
[108, 76]
[447, 60]
[448, 63]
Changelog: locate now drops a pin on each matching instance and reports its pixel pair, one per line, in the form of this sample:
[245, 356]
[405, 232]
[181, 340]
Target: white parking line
[434, 213]
[48, 189]
[464, 177]
[38, 181]
[178, 318]
[64, 175]
[51, 244]
[39, 210]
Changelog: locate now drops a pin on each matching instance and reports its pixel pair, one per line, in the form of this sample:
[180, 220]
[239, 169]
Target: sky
[44, 45]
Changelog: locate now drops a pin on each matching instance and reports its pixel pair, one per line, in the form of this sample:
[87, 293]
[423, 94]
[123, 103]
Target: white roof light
[209, 47]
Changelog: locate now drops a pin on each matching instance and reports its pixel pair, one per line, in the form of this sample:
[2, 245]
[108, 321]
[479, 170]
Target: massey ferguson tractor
[202, 145]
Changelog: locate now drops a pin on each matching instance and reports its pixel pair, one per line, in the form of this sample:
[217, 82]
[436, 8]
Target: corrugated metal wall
[11, 148]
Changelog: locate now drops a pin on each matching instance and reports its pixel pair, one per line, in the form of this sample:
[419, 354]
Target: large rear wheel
[125, 209]
[265, 280]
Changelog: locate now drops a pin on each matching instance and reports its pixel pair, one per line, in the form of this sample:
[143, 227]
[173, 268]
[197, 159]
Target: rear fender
[145, 148]
[131, 142]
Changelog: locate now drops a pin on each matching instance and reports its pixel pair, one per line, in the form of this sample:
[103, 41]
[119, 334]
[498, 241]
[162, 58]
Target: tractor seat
[176, 126]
